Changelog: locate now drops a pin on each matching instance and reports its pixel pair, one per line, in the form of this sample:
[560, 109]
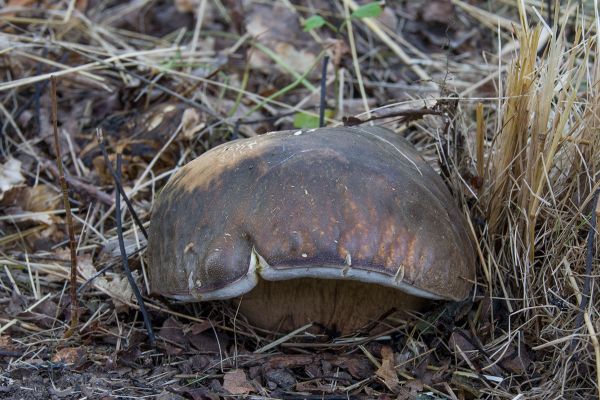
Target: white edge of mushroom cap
[259, 268]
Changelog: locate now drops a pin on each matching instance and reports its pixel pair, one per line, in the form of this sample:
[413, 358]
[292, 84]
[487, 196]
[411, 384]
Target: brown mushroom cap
[347, 203]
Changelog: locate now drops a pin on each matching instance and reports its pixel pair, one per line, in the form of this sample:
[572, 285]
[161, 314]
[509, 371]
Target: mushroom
[334, 226]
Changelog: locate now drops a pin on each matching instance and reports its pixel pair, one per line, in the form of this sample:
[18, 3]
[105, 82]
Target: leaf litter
[198, 73]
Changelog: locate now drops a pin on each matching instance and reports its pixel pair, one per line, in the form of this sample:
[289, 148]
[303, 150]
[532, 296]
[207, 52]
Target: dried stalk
[69, 216]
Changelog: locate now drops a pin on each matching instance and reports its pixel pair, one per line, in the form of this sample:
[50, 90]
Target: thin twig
[118, 183]
[8, 353]
[323, 100]
[69, 217]
[283, 339]
[404, 115]
[136, 290]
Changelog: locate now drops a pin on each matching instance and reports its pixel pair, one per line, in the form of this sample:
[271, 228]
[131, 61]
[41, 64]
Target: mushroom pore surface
[331, 225]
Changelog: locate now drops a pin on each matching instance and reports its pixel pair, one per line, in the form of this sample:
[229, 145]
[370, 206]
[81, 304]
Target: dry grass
[542, 171]
[524, 163]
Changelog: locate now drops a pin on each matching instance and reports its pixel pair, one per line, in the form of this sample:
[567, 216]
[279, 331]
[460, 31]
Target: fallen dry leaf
[206, 342]
[10, 175]
[410, 390]
[190, 123]
[235, 382]
[437, 11]
[358, 367]
[387, 372]
[279, 377]
[6, 343]
[117, 287]
[516, 360]
[173, 334]
[461, 339]
[44, 315]
[41, 198]
[276, 27]
[70, 356]
[186, 6]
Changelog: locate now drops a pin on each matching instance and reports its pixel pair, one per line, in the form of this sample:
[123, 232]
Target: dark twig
[67, 205]
[405, 115]
[8, 353]
[118, 183]
[136, 290]
[323, 100]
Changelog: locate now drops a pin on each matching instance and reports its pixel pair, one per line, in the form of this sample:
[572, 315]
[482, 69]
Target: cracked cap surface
[355, 203]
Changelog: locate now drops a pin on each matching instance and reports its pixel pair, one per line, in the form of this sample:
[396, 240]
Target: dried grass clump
[542, 170]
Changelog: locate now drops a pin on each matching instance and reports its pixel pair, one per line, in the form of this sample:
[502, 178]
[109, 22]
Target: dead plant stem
[68, 215]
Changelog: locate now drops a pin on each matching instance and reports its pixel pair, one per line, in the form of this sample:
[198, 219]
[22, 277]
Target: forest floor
[164, 81]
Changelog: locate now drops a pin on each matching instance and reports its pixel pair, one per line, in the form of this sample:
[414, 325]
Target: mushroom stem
[342, 306]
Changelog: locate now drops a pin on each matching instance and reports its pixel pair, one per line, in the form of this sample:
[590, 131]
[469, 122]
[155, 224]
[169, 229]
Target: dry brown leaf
[40, 198]
[387, 371]
[410, 390]
[70, 356]
[117, 287]
[186, 6]
[358, 367]
[437, 11]
[205, 342]
[10, 175]
[190, 123]
[172, 333]
[458, 340]
[277, 28]
[516, 360]
[6, 343]
[235, 382]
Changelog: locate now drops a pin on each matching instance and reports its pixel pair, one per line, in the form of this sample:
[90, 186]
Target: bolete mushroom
[334, 226]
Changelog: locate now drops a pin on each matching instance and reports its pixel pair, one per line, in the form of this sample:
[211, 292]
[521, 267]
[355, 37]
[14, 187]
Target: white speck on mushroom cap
[298, 133]
[399, 274]
[348, 259]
